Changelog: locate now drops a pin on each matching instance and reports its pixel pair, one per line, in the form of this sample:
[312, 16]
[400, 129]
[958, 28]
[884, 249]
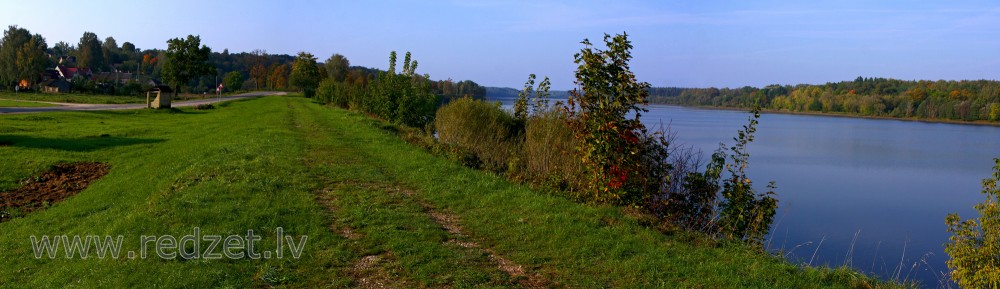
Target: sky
[500, 42]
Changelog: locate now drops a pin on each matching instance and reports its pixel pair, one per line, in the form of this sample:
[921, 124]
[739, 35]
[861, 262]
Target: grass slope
[373, 207]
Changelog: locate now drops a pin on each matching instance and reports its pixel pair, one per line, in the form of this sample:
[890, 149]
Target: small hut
[55, 86]
[163, 95]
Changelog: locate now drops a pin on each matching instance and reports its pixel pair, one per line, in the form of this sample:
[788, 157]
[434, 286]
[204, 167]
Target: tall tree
[278, 78]
[186, 61]
[90, 52]
[14, 39]
[128, 48]
[111, 51]
[305, 74]
[258, 67]
[31, 59]
[337, 66]
[130, 57]
[63, 49]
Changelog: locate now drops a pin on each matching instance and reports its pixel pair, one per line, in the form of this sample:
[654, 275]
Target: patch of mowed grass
[74, 97]
[14, 103]
[389, 220]
[225, 171]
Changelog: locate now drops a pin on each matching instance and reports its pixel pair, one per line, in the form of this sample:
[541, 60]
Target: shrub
[722, 205]
[334, 93]
[401, 98]
[743, 213]
[974, 247]
[482, 128]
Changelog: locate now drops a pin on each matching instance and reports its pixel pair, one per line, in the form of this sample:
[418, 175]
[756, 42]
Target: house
[55, 86]
[66, 72]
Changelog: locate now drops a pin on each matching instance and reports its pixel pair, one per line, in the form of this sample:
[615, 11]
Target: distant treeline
[510, 93]
[965, 100]
[25, 58]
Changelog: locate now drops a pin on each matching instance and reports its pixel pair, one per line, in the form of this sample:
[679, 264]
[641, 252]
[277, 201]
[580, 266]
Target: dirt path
[91, 107]
[456, 232]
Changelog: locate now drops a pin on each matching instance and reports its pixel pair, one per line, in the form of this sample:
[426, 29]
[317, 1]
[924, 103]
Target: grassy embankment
[373, 206]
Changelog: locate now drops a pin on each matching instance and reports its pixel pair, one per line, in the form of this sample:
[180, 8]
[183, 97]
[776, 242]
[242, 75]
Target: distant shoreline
[813, 113]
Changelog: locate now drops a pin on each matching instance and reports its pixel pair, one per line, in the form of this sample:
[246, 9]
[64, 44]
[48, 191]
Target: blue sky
[498, 43]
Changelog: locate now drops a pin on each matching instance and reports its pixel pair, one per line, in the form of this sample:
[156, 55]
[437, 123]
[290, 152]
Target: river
[882, 187]
[872, 194]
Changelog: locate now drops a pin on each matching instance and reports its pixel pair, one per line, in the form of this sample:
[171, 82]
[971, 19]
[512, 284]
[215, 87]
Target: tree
[14, 39]
[258, 70]
[111, 52]
[31, 59]
[90, 53]
[22, 56]
[600, 109]
[128, 48]
[305, 74]
[233, 80]
[278, 78]
[63, 49]
[186, 61]
[974, 247]
[337, 66]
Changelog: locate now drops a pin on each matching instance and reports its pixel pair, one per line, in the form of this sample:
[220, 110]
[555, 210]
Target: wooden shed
[163, 96]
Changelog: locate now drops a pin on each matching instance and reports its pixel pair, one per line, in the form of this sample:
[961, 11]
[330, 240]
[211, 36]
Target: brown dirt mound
[52, 186]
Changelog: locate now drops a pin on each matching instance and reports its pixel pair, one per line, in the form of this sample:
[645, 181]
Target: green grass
[74, 98]
[14, 103]
[286, 162]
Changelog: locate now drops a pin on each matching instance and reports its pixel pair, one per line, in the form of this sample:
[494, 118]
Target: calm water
[890, 183]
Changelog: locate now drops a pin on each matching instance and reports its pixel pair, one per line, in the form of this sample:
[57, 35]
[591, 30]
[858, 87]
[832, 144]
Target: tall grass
[549, 151]
[483, 129]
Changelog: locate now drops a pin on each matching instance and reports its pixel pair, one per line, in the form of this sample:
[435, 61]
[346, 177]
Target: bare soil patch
[58, 183]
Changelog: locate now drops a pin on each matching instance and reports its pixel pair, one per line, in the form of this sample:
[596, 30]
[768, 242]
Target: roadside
[22, 103]
[62, 106]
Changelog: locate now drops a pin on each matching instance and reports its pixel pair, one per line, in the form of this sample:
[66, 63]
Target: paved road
[84, 107]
